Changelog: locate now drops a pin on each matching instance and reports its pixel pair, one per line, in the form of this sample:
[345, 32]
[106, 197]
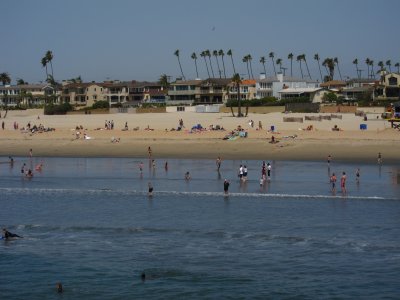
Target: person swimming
[7, 235]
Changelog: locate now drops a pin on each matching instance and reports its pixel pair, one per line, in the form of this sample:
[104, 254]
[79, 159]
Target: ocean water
[88, 223]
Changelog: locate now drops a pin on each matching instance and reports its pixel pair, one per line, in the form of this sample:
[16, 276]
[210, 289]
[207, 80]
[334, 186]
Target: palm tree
[303, 57]
[215, 53]
[208, 54]
[371, 62]
[249, 58]
[262, 61]
[20, 81]
[176, 53]
[246, 60]
[163, 81]
[222, 54]
[5, 78]
[49, 58]
[44, 64]
[355, 62]
[397, 65]
[381, 65]
[368, 63]
[271, 56]
[299, 59]
[316, 57]
[290, 56]
[229, 53]
[203, 55]
[330, 65]
[279, 63]
[389, 64]
[336, 61]
[194, 57]
[237, 81]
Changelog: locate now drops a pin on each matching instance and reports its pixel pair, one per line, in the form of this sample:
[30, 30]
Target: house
[333, 84]
[388, 87]
[271, 86]
[247, 90]
[28, 94]
[184, 91]
[212, 91]
[83, 93]
[146, 92]
[358, 88]
[315, 95]
[116, 92]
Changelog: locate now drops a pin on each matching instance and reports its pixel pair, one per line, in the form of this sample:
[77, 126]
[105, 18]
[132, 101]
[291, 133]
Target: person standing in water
[358, 175]
[333, 182]
[226, 187]
[218, 163]
[343, 183]
[150, 189]
[379, 158]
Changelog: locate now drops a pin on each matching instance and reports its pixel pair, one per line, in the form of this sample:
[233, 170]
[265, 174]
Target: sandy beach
[349, 144]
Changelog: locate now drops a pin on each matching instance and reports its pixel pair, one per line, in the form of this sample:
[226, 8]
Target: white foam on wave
[30, 191]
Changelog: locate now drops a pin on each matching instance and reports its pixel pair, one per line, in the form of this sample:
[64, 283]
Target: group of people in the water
[7, 235]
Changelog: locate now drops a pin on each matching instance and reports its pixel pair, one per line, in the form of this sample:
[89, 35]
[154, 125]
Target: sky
[136, 40]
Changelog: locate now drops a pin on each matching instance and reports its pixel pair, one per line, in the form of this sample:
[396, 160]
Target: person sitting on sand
[148, 128]
[86, 137]
[115, 140]
[336, 128]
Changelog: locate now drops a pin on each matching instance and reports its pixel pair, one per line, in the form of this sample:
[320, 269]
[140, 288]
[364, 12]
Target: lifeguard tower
[395, 118]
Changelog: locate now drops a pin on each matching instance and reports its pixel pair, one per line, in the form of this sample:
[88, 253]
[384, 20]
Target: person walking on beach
[218, 163]
[244, 173]
[30, 153]
[343, 183]
[269, 170]
[333, 182]
[149, 151]
[141, 167]
[240, 173]
[226, 187]
[263, 171]
[379, 158]
[329, 160]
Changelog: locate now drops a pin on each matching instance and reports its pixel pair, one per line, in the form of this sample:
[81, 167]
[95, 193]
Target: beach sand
[350, 144]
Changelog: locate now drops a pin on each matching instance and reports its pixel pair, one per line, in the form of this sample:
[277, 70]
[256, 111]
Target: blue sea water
[88, 223]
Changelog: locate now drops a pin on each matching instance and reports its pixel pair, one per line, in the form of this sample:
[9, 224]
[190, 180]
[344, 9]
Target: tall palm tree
[20, 81]
[299, 59]
[237, 81]
[208, 54]
[371, 62]
[397, 65]
[249, 58]
[229, 53]
[246, 60]
[316, 57]
[271, 56]
[49, 58]
[336, 61]
[5, 78]
[303, 57]
[44, 64]
[389, 64]
[262, 61]
[290, 56]
[355, 62]
[215, 53]
[222, 54]
[279, 63]
[330, 65]
[203, 55]
[381, 65]
[194, 57]
[176, 53]
[368, 63]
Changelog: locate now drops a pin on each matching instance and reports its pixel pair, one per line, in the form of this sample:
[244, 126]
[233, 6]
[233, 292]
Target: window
[94, 97]
[393, 81]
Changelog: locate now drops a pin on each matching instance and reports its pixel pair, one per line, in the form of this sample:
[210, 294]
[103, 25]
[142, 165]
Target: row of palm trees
[329, 64]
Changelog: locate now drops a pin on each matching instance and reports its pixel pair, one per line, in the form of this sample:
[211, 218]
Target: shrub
[101, 104]
[61, 109]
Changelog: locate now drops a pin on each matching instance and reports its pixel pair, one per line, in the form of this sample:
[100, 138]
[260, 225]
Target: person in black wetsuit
[226, 186]
[6, 234]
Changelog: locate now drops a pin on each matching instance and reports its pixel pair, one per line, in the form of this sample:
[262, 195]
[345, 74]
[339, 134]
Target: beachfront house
[116, 92]
[247, 90]
[388, 87]
[284, 86]
[83, 94]
[151, 92]
[183, 92]
[28, 95]
[212, 91]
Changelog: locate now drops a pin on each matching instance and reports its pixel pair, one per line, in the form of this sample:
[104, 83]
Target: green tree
[381, 65]
[271, 56]
[290, 56]
[316, 57]
[330, 65]
[397, 65]
[5, 78]
[229, 53]
[368, 63]
[194, 57]
[208, 54]
[279, 63]
[389, 64]
[20, 81]
[329, 97]
[176, 53]
[203, 55]
[355, 62]
[236, 80]
[163, 81]
[371, 63]
[215, 54]
[299, 59]
[336, 61]
[222, 54]
[44, 65]
[246, 61]
[49, 58]
[303, 57]
[262, 61]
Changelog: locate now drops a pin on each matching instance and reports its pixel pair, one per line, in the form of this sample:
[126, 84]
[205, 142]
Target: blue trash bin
[272, 128]
[363, 126]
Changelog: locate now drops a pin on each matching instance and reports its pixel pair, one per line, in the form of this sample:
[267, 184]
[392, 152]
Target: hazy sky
[127, 40]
